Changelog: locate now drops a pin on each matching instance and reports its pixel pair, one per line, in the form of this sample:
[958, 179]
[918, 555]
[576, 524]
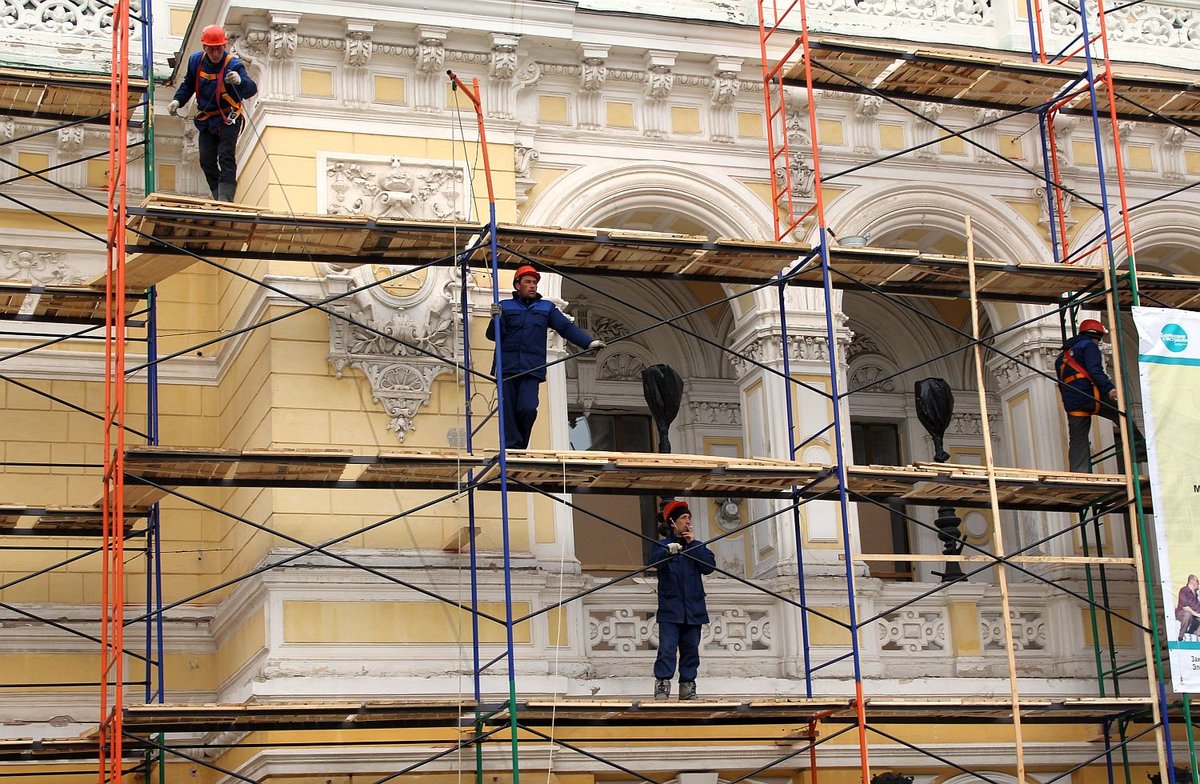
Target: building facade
[623, 115]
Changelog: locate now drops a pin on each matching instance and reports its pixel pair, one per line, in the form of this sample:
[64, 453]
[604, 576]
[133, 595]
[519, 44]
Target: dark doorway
[601, 548]
[882, 529]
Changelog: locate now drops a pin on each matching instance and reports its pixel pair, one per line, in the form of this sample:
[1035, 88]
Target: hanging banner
[1169, 366]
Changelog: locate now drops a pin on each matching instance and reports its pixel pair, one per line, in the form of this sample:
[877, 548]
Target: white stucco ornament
[720, 10]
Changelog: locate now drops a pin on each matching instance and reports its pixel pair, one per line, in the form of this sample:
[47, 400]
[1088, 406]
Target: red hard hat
[526, 269]
[680, 506]
[1091, 325]
[213, 35]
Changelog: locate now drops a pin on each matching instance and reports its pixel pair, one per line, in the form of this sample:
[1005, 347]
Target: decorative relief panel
[400, 343]
[1141, 23]
[913, 631]
[624, 631]
[45, 268]
[404, 332]
[62, 17]
[396, 189]
[968, 12]
[703, 412]
[1029, 630]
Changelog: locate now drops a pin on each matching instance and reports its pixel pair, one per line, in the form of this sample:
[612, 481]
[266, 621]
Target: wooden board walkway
[613, 473]
[235, 231]
[78, 521]
[619, 712]
[991, 79]
[64, 304]
[60, 95]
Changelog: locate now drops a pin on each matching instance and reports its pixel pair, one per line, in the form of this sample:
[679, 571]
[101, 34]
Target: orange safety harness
[235, 106]
[1079, 371]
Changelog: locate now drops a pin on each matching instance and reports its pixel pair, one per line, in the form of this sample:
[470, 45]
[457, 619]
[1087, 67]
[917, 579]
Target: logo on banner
[1174, 338]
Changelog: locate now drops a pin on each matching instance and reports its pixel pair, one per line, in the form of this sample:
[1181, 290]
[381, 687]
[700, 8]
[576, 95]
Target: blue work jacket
[1079, 394]
[680, 589]
[205, 79]
[523, 335]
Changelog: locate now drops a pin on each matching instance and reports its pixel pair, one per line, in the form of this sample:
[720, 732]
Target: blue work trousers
[520, 410]
[682, 639]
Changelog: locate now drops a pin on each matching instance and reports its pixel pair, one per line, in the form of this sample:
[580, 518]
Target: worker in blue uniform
[682, 611]
[1086, 392]
[220, 83]
[524, 321]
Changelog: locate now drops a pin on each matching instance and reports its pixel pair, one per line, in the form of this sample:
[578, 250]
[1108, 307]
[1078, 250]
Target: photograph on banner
[1169, 368]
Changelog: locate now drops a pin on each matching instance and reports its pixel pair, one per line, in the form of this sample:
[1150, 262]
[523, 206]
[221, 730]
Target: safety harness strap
[1079, 371]
[223, 98]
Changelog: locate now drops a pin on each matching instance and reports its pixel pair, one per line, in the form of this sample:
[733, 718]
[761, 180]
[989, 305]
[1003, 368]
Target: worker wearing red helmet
[524, 320]
[682, 561]
[220, 83]
[1087, 391]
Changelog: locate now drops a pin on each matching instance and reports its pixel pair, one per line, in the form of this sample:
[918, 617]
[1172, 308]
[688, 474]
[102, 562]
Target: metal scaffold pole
[112, 674]
[472, 92]
[787, 222]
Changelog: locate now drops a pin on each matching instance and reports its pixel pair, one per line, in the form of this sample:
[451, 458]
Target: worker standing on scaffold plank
[1087, 391]
[524, 321]
[682, 611]
[220, 83]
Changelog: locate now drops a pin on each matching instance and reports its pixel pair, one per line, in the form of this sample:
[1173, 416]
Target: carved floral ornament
[40, 267]
[402, 344]
[405, 333]
[396, 188]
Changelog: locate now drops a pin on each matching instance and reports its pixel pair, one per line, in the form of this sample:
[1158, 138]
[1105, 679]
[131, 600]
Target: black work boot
[662, 689]
[226, 190]
[687, 690]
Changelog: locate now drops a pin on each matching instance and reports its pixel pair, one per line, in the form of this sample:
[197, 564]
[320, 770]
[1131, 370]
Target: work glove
[1112, 395]
[674, 548]
[497, 309]
[233, 77]
[173, 107]
[596, 344]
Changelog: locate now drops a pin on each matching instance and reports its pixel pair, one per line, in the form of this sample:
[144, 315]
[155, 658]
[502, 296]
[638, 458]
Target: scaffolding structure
[171, 234]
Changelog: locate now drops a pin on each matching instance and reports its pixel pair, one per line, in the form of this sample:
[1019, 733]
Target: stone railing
[957, 634]
[74, 34]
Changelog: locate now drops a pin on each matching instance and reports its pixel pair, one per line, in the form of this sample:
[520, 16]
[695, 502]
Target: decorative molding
[70, 139]
[660, 78]
[1174, 165]
[865, 378]
[593, 73]
[623, 631]
[1149, 24]
[925, 132]
[862, 129]
[1029, 630]
[359, 44]
[966, 424]
[976, 13]
[396, 188]
[913, 630]
[1033, 359]
[725, 90]
[63, 17]
[617, 365]
[401, 350]
[44, 268]
[523, 157]
[705, 412]
[281, 45]
[429, 94]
